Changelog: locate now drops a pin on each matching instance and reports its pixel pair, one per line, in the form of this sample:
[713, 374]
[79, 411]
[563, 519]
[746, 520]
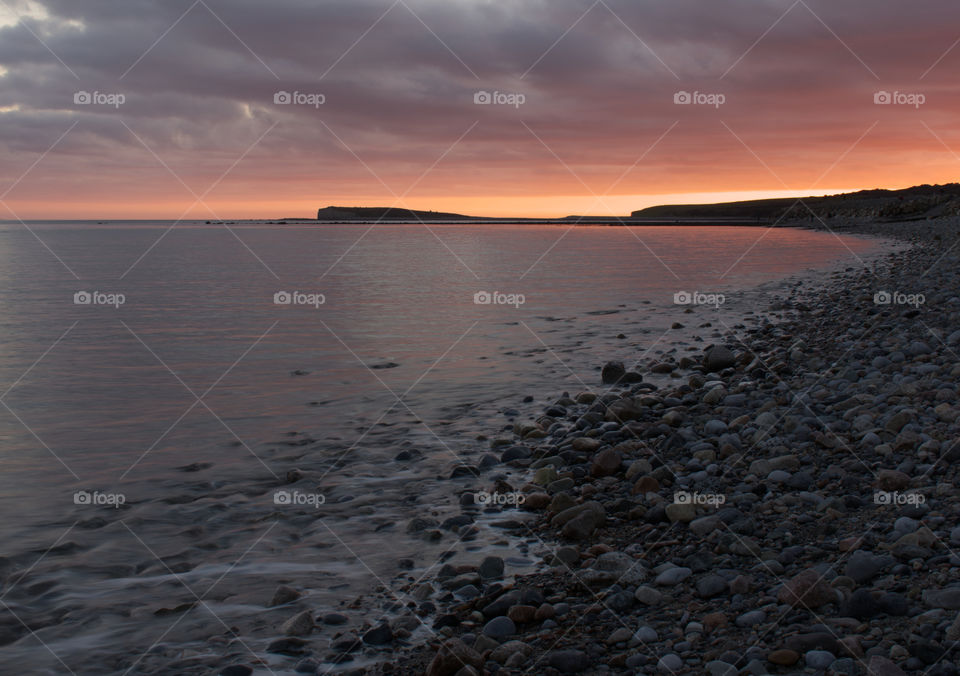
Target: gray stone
[711, 585]
[491, 567]
[819, 659]
[670, 663]
[568, 661]
[943, 598]
[673, 576]
[500, 627]
[718, 358]
[751, 618]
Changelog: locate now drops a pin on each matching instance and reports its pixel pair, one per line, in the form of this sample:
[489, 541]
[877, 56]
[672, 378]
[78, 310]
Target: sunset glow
[384, 107]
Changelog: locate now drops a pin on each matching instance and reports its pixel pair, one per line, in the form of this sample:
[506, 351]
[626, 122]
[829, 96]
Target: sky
[223, 109]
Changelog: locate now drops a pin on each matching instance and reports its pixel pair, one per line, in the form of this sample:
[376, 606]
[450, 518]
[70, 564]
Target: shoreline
[617, 533]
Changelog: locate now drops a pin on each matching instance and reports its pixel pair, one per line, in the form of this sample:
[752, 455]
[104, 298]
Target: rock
[714, 428]
[452, 656]
[236, 670]
[612, 372]
[502, 653]
[586, 444]
[645, 484]
[863, 566]
[605, 463]
[807, 589]
[718, 668]
[522, 614]
[568, 661]
[751, 618]
[648, 596]
[681, 512]
[673, 576]
[713, 621]
[545, 475]
[860, 605]
[948, 599]
[579, 522]
[300, 624]
[711, 585]
[783, 657]
[819, 659]
[881, 666]
[334, 619]
[419, 524]
[621, 635]
[953, 631]
[670, 663]
[646, 634]
[817, 640]
[491, 568]
[379, 635]
[284, 595]
[718, 358]
[892, 480]
[499, 627]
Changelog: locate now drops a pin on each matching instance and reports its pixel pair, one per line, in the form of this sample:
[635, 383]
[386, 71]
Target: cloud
[398, 80]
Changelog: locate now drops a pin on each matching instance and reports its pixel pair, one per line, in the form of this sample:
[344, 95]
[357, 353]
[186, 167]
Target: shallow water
[194, 398]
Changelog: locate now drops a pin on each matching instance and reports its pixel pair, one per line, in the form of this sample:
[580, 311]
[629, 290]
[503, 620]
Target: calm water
[195, 397]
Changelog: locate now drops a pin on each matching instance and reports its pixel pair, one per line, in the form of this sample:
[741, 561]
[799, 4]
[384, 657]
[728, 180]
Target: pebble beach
[781, 502]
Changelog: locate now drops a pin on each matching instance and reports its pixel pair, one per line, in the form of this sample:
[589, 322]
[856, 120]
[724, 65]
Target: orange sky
[587, 110]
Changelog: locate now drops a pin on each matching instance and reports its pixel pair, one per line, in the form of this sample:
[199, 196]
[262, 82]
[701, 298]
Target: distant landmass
[385, 214]
[909, 204]
[918, 202]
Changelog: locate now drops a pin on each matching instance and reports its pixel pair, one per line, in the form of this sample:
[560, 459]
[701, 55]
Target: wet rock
[605, 463]
[334, 619]
[718, 358]
[300, 624]
[382, 634]
[451, 658]
[612, 372]
[283, 595]
[491, 567]
[236, 670]
[499, 627]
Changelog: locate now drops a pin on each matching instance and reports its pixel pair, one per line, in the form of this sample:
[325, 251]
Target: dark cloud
[598, 94]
